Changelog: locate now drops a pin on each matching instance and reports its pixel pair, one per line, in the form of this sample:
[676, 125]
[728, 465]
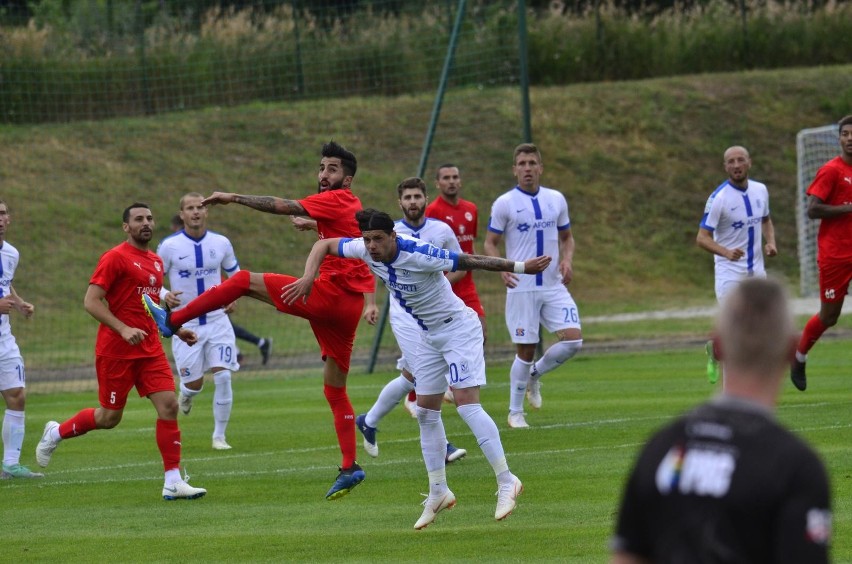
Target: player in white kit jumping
[450, 351]
[412, 201]
[193, 259]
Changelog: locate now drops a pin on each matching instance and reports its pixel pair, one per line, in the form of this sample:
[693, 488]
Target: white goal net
[814, 147]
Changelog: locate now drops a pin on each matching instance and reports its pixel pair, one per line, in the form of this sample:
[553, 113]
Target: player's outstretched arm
[268, 204]
[497, 264]
[301, 288]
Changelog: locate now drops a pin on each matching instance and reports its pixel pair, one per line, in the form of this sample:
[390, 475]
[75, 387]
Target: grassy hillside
[636, 160]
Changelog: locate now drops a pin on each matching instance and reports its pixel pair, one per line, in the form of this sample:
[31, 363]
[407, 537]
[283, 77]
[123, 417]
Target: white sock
[173, 476]
[13, 436]
[223, 399]
[393, 392]
[556, 354]
[189, 391]
[519, 377]
[433, 440]
[487, 435]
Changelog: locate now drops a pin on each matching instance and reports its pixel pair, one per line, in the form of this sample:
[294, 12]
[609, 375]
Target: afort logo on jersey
[202, 272]
[544, 224]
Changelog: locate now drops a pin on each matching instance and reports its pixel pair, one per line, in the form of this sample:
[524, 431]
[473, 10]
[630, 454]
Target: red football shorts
[834, 280]
[116, 376]
[333, 313]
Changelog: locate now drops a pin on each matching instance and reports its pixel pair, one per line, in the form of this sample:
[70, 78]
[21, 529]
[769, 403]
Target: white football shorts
[12, 373]
[553, 308]
[216, 348]
[452, 356]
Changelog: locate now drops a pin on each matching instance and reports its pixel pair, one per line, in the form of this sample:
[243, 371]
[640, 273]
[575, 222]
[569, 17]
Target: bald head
[737, 164]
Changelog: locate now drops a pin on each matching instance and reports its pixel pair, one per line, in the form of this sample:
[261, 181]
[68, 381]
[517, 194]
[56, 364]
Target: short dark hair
[527, 148]
[445, 165]
[845, 121]
[347, 158]
[374, 220]
[409, 183]
[125, 217]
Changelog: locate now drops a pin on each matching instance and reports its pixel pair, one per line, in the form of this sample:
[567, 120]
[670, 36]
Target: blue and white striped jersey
[530, 225]
[735, 218]
[433, 231]
[194, 266]
[415, 279]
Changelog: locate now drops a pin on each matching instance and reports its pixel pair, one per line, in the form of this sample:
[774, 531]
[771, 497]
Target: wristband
[519, 267]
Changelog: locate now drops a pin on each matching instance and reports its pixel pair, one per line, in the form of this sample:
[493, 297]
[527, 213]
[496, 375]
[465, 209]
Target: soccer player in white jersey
[735, 222]
[450, 349]
[533, 220]
[12, 375]
[193, 260]
[412, 201]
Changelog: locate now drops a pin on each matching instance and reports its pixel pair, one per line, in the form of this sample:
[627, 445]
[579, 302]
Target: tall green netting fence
[107, 103]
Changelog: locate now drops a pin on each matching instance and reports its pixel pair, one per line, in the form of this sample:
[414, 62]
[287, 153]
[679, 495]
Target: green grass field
[101, 498]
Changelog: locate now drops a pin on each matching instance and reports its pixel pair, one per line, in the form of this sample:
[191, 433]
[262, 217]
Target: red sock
[168, 441]
[344, 422]
[78, 425]
[216, 297]
[412, 396]
[814, 329]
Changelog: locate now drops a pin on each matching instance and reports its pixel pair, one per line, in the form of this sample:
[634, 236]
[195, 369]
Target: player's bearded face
[331, 175]
[413, 204]
[140, 226]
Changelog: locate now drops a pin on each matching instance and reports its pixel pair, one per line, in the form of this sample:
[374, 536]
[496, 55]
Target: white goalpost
[814, 147]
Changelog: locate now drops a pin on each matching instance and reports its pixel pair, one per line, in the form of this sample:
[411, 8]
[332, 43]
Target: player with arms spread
[450, 349]
[334, 309]
[412, 201]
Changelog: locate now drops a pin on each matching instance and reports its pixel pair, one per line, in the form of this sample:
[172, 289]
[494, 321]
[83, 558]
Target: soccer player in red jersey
[128, 352]
[830, 200]
[336, 303]
[463, 217]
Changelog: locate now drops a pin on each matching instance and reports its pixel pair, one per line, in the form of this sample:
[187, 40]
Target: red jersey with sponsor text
[833, 185]
[462, 218]
[334, 212]
[125, 273]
